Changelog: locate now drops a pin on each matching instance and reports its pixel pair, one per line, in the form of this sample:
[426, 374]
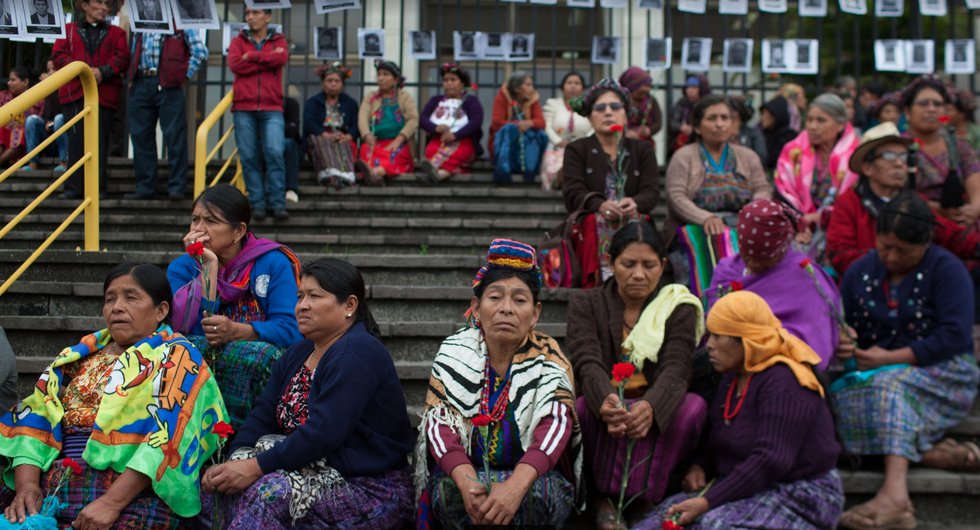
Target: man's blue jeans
[263, 130]
[35, 133]
[148, 103]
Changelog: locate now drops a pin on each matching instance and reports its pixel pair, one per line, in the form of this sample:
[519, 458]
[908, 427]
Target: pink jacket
[794, 169]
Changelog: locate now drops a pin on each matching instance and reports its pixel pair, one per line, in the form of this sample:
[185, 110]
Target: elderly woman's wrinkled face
[892, 174]
[898, 256]
[637, 270]
[525, 91]
[319, 313]
[129, 311]
[725, 353]
[95, 10]
[607, 111]
[332, 84]
[219, 236]
[507, 310]
[822, 128]
[927, 107]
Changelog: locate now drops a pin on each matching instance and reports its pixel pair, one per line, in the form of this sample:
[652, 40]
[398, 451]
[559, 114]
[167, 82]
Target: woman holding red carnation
[610, 177]
[635, 319]
[769, 449]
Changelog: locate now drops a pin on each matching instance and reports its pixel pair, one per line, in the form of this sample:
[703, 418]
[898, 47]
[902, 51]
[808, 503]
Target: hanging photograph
[733, 7]
[268, 4]
[737, 55]
[658, 54]
[932, 8]
[889, 8]
[773, 6]
[41, 18]
[692, 6]
[605, 50]
[960, 56]
[920, 56]
[370, 43]
[329, 6]
[580, 3]
[854, 7]
[973, 4]
[422, 45]
[890, 55]
[696, 54]
[545, 2]
[465, 45]
[151, 16]
[521, 47]
[8, 19]
[613, 4]
[329, 43]
[813, 8]
[195, 14]
[649, 4]
[494, 45]
[804, 57]
[774, 59]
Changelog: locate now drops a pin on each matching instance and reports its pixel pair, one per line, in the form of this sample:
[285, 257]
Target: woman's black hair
[701, 107]
[496, 274]
[593, 95]
[636, 232]
[742, 106]
[150, 278]
[921, 84]
[343, 280]
[22, 72]
[908, 217]
[231, 204]
[573, 73]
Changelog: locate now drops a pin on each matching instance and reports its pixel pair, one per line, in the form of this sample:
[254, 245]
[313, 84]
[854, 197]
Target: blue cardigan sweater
[934, 306]
[357, 416]
[315, 111]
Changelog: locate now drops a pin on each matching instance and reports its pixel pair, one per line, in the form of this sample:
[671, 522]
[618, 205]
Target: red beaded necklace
[729, 416]
[500, 407]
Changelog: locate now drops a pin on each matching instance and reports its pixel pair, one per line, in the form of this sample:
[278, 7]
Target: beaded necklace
[729, 416]
[500, 407]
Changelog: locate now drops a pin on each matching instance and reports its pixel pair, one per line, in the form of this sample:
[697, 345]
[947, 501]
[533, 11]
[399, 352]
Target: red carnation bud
[474, 86]
[944, 119]
[481, 420]
[616, 128]
[805, 263]
[736, 285]
[74, 466]
[622, 371]
[223, 429]
[196, 249]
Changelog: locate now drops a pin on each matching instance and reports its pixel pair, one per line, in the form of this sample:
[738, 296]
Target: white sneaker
[291, 196]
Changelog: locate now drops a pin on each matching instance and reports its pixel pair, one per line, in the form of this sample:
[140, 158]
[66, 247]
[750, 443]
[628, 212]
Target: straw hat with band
[881, 134]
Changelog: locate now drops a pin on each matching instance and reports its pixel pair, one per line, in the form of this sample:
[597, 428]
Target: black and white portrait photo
[737, 55]
[696, 54]
[920, 56]
[42, 18]
[772, 6]
[195, 14]
[933, 8]
[8, 23]
[890, 55]
[658, 53]
[960, 56]
[805, 54]
[149, 10]
[329, 43]
[605, 50]
[493, 45]
[268, 4]
[41, 14]
[370, 43]
[521, 47]
[151, 16]
[228, 32]
[813, 8]
[854, 7]
[774, 58]
[465, 45]
[650, 4]
[422, 44]
[692, 6]
[581, 3]
[733, 7]
[889, 8]
[329, 6]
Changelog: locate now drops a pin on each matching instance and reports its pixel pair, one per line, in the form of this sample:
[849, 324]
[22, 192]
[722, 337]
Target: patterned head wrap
[583, 104]
[765, 229]
[509, 254]
[335, 67]
[746, 315]
[392, 68]
[635, 77]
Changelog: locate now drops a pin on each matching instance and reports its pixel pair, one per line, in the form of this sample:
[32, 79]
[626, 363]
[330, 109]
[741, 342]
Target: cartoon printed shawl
[156, 417]
[540, 376]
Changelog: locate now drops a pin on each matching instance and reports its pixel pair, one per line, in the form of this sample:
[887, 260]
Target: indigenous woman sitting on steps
[130, 409]
[638, 318]
[517, 138]
[563, 125]
[454, 123]
[499, 421]
[387, 120]
[606, 174]
[330, 127]
[327, 443]
[911, 305]
[768, 458]
[647, 118]
[244, 319]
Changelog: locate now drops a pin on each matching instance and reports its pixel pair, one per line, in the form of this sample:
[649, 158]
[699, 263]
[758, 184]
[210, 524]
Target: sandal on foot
[606, 520]
[862, 518]
[955, 456]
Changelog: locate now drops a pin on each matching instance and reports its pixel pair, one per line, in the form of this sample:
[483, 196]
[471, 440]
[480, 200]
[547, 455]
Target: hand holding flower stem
[482, 423]
[621, 374]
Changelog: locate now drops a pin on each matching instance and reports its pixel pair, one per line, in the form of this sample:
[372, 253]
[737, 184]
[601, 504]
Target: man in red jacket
[256, 56]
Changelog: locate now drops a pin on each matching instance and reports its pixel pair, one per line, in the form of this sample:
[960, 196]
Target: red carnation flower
[623, 371]
[74, 466]
[736, 285]
[481, 420]
[805, 263]
[919, 142]
[223, 429]
[616, 128]
[944, 119]
[671, 525]
[474, 86]
[196, 249]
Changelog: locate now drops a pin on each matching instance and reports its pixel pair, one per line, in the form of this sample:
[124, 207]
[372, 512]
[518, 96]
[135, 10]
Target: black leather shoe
[280, 215]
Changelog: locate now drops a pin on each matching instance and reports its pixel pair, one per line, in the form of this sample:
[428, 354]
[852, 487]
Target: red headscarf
[765, 228]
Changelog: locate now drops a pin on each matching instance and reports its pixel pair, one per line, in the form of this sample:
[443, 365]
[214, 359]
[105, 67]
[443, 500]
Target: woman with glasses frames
[610, 177]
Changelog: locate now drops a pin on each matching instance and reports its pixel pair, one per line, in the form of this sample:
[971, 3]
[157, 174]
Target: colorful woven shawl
[156, 417]
[704, 253]
[794, 169]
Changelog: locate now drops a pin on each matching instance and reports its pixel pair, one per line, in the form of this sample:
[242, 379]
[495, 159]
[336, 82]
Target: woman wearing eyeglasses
[611, 177]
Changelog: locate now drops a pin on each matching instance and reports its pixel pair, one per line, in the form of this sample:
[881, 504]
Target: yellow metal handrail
[15, 110]
[202, 157]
